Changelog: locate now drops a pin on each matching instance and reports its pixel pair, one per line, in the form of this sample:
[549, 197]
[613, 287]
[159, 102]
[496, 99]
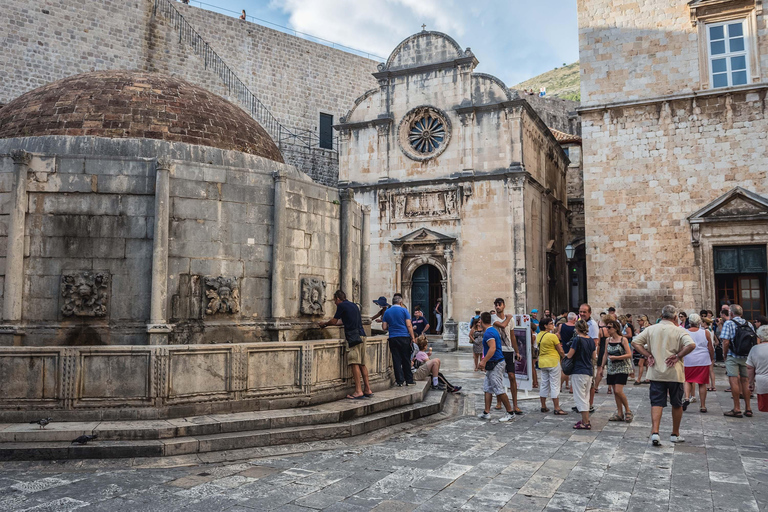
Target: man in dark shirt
[349, 315]
[419, 322]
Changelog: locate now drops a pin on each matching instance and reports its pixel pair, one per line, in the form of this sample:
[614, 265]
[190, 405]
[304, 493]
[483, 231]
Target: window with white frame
[728, 57]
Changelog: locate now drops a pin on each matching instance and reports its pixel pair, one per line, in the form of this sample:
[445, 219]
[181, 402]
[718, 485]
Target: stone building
[674, 127]
[466, 184]
[300, 87]
[138, 208]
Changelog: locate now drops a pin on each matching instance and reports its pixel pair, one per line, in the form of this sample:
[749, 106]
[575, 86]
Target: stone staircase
[200, 434]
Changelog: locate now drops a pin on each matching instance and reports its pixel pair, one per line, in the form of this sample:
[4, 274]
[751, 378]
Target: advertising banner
[524, 367]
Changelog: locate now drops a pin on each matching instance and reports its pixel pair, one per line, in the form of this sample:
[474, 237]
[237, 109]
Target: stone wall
[556, 113]
[296, 79]
[130, 383]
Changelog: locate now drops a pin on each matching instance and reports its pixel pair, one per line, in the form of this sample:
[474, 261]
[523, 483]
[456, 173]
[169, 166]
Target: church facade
[674, 133]
[466, 185]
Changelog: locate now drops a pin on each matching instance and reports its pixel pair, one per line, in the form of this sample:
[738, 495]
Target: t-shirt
[492, 333]
[418, 325]
[422, 356]
[534, 325]
[758, 359]
[395, 318]
[506, 342]
[594, 330]
[582, 357]
[664, 340]
[349, 314]
[439, 308]
[566, 333]
[548, 355]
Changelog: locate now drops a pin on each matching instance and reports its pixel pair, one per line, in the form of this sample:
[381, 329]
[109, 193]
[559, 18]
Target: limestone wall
[646, 169]
[556, 113]
[128, 382]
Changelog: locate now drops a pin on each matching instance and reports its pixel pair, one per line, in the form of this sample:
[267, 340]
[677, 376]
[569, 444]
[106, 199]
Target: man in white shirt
[509, 348]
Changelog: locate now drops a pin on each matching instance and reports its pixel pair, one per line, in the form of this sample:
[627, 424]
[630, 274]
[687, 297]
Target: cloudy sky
[513, 39]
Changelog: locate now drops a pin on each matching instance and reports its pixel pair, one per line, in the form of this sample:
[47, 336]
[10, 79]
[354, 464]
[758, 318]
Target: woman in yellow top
[550, 353]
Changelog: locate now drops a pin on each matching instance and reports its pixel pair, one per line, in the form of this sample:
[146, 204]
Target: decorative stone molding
[424, 133]
[426, 204]
[222, 295]
[85, 293]
[312, 295]
[21, 157]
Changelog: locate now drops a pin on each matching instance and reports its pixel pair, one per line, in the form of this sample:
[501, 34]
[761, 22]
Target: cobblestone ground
[536, 462]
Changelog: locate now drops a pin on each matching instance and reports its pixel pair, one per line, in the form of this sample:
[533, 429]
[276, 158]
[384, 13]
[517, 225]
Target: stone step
[189, 444]
[331, 412]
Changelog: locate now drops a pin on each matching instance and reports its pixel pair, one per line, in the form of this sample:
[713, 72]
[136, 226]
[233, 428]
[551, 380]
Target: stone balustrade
[146, 382]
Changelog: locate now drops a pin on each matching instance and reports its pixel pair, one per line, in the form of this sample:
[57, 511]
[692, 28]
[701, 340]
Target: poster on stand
[524, 367]
[464, 340]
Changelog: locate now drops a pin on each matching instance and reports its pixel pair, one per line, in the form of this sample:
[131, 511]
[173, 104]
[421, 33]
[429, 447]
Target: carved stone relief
[222, 295]
[356, 291]
[424, 205]
[312, 295]
[85, 293]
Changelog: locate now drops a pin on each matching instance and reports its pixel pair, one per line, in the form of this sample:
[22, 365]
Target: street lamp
[569, 251]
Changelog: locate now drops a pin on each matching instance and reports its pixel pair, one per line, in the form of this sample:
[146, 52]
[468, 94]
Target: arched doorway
[426, 288]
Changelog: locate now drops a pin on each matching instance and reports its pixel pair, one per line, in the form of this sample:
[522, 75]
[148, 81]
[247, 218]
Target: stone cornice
[705, 93]
[385, 74]
[379, 121]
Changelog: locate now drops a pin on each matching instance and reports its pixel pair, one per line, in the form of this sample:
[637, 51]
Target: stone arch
[398, 58]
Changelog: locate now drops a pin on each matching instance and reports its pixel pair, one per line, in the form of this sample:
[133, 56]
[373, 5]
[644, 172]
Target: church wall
[296, 79]
[646, 169]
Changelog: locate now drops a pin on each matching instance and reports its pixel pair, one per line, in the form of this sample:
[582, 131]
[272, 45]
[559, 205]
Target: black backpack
[744, 339]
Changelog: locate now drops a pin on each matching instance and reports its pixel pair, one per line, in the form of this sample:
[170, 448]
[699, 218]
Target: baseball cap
[534, 311]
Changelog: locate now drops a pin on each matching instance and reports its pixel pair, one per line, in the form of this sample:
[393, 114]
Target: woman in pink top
[698, 362]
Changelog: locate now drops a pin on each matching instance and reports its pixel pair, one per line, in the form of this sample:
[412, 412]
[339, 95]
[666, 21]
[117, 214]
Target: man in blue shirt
[494, 365]
[349, 315]
[419, 322]
[397, 321]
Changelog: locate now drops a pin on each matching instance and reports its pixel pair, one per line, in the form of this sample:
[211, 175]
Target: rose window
[424, 133]
[427, 134]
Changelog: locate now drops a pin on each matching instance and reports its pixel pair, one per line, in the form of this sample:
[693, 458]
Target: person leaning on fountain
[349, 315]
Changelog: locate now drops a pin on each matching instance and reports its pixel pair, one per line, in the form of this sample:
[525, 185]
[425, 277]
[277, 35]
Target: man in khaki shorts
[349, 315]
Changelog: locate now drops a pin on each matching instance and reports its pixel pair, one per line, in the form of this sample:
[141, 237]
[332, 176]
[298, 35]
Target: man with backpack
[738, 337]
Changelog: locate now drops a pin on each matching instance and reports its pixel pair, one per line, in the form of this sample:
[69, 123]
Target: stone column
[447, 302]
[13, 290]
[278, 247]
[398, 251]
[365, 263]
[347, 222]
[158, 327]
[515, 186]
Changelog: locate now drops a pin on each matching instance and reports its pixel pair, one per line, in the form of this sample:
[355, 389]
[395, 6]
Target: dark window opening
[326, 131]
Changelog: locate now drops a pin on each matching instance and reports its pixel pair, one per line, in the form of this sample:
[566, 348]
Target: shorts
[494, 380]
[509, 359]
[658, 393]
[736, 366]
[616, 378]
[581, 384]
[356, 354]
[422, 372]
[697, 374]
[762, 403]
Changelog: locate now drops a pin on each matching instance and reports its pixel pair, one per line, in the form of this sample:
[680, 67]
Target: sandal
[610, 391]
[581, 426]
[544, 409]
[498, 407]
[703, 410]
[733, 414]
[637, 383]
[748, 413]
[616, 417]
[560, 412]
[711, 389]
[628, 417]
[518, 411]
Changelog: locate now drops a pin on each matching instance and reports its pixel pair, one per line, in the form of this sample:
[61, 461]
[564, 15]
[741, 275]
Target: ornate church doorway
[425, 290]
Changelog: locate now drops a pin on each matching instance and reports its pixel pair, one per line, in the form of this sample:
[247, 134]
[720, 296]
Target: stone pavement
[536, 462]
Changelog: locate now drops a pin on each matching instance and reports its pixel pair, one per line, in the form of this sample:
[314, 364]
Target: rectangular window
[728, 59]
[326, 131]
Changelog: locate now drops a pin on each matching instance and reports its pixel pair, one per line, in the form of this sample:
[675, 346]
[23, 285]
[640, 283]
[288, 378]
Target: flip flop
[711, 389]
[733, 414]
[560, 412]
[351, 397]
[544, 409]
[748, 413]
[703, 410]
[519, 411]
[369, 395]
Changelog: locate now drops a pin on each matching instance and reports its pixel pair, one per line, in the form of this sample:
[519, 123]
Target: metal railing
[236, 88]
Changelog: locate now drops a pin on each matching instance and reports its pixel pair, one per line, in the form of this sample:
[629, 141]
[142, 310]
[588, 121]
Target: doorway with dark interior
[425, 290]
[740, 278]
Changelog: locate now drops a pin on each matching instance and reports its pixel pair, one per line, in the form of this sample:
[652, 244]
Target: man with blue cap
[534, 321]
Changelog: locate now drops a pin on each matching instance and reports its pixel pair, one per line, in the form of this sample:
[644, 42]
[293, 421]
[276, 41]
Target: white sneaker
[508, 416]
[656, 439]
[694, 400]
[484, 415]
[676, 439]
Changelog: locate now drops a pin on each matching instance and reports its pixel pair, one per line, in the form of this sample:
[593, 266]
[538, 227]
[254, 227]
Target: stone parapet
[147, 382]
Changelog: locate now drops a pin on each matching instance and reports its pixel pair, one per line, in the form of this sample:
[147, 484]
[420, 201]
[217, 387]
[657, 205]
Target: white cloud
[513, 39]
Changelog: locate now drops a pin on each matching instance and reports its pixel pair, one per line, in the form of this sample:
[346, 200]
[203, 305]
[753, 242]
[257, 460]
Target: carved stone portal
[85, 293]
[312, 296]
[223, 295]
